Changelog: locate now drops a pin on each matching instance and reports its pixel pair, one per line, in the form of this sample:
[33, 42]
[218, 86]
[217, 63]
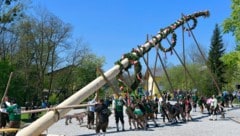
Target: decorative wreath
[193, 25]
[173, 44]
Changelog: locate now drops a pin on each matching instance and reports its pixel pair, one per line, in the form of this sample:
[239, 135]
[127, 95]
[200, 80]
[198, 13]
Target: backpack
[104, 114]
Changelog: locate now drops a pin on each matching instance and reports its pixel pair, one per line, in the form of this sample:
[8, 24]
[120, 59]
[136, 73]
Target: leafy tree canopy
[232, 24]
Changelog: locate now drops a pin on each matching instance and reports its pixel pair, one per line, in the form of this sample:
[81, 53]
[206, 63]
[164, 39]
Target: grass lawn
[26, 117]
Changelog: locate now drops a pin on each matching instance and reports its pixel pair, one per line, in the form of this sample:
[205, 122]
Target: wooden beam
[56, 108]
[109, 83]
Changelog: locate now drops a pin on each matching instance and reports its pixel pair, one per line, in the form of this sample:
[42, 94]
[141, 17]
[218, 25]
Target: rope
[184, 66]
[58, 114]
[211, 74]
[165, 71]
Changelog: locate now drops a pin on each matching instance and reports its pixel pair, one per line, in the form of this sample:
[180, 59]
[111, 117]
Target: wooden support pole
[56, 108]
[125, 83]
[186, 70]
[165, 71]
[154, 70]
[6, 90]
[147, 70]
[211, 74]
[184, 65]
[109, 83]
[154, 80]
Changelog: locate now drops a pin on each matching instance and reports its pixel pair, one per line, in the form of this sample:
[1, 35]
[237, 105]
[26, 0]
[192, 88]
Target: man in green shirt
[194, 101]
[118, 104]
[14, 113]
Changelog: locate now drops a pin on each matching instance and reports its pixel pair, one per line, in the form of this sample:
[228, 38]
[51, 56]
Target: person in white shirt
[213, 107]
[4, 114]
[90, 112]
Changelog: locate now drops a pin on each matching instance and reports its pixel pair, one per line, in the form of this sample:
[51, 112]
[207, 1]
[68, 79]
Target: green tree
[216, 65]
[232, 24]
[194, 55]
[44, 60]
[79, 70]
[5, 70]
[40, 41]
[53, 99]
[200, 78]
[232, 62]
[10, 13]
[10, 10]
[15, 89]
[87, 70]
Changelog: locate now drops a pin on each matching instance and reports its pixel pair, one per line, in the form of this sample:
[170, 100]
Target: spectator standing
[44, 104]
[118, 111]
[194, 102]
[213, 107]
[200, 104]
[90, 112]
[4, 115]
[103, 114]
[14, 112]
[188, 108]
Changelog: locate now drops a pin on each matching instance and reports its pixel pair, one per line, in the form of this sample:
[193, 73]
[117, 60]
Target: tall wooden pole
[44, 122]
[6, 90]
[151, 74]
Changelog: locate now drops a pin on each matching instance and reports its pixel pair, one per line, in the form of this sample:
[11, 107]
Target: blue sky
[114, 27]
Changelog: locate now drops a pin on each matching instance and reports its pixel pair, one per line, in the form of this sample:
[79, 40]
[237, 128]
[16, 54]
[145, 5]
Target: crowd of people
[140, 109]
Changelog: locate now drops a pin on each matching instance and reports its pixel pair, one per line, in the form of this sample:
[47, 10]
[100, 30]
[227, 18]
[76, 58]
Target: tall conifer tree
[214, 63]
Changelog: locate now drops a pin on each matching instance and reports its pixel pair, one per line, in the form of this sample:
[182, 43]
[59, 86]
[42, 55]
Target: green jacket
[14, 112]
[195, 98]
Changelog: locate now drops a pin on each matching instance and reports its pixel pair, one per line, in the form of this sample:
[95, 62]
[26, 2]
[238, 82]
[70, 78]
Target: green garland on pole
[137, 75]
[133, 60]
[121, 83]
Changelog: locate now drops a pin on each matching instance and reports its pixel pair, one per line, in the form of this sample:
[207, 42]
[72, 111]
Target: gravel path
[200, 126]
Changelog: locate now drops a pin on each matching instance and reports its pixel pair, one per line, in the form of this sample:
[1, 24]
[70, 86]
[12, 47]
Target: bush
[53, 99]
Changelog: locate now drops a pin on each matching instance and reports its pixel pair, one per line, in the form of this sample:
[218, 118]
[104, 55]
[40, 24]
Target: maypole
[44, 122]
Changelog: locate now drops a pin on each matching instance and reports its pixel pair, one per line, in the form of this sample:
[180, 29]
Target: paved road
[200, 126]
